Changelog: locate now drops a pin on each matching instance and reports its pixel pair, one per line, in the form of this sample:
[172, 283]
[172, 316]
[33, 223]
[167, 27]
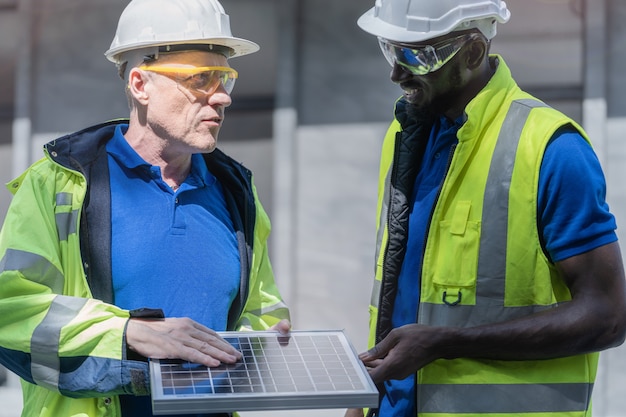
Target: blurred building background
[308, 115]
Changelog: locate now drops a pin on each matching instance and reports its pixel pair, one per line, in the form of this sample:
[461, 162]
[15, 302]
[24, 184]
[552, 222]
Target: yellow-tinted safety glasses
[204, 80]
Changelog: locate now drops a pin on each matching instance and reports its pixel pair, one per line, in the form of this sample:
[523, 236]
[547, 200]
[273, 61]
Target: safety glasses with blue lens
[421, 60]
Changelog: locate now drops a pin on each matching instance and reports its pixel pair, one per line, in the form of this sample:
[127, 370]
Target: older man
[137, 238]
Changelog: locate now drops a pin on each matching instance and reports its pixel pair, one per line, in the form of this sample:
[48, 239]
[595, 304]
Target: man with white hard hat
[498, 272]
[137, 238]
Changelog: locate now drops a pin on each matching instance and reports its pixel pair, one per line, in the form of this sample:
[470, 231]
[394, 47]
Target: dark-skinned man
[498, 273]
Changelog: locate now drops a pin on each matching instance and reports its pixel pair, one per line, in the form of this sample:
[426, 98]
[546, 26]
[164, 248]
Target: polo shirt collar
[118, 148]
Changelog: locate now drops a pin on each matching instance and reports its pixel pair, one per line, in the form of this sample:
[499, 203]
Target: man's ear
[477, 52]
[137, 81]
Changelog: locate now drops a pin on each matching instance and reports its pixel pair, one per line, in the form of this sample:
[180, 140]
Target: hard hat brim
[239, 46]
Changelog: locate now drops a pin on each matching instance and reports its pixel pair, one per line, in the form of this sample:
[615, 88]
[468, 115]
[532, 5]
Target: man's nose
[220, 97]
[399, 74]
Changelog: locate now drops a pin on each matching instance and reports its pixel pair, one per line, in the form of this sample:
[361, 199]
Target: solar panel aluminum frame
[364, 396]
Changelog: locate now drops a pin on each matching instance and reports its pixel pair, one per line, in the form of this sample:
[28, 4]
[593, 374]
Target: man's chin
[206, 145]
[209, 149]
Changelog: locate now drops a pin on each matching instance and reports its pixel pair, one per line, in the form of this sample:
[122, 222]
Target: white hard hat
[419, 20]
[146, 24]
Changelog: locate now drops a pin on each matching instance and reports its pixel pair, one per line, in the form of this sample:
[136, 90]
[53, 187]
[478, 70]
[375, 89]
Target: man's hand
[180, 338]
[403, 352]
[283, 326]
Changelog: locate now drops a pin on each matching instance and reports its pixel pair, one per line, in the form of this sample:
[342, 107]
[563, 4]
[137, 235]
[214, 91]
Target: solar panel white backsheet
[305, 370]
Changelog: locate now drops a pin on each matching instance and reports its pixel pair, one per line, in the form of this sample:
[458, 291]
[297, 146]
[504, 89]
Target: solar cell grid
[275, 372]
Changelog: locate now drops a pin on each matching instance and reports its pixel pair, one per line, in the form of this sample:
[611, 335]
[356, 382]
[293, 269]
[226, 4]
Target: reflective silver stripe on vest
[491, 274]
[382, 221]
[493, 241]
[245, 322]
[44, 345]
[66, 224]
[505, 398]
[376, 293]
[34, 267]
[471, 316]
[280, 306]
[64, 199]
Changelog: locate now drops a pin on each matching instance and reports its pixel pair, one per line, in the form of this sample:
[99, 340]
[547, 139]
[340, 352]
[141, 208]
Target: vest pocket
[456, 259]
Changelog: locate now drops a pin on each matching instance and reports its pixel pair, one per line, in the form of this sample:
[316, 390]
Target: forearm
[566, 330]
[69, 344]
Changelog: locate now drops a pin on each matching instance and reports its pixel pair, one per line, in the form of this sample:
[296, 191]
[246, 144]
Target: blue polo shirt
[174, 250]
[574, 218]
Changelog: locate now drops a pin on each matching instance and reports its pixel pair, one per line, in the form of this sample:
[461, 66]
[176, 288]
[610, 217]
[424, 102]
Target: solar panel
[304, 370]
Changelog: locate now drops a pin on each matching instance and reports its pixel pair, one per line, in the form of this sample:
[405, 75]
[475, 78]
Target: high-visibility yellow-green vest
[483, 260]
[59, 331]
